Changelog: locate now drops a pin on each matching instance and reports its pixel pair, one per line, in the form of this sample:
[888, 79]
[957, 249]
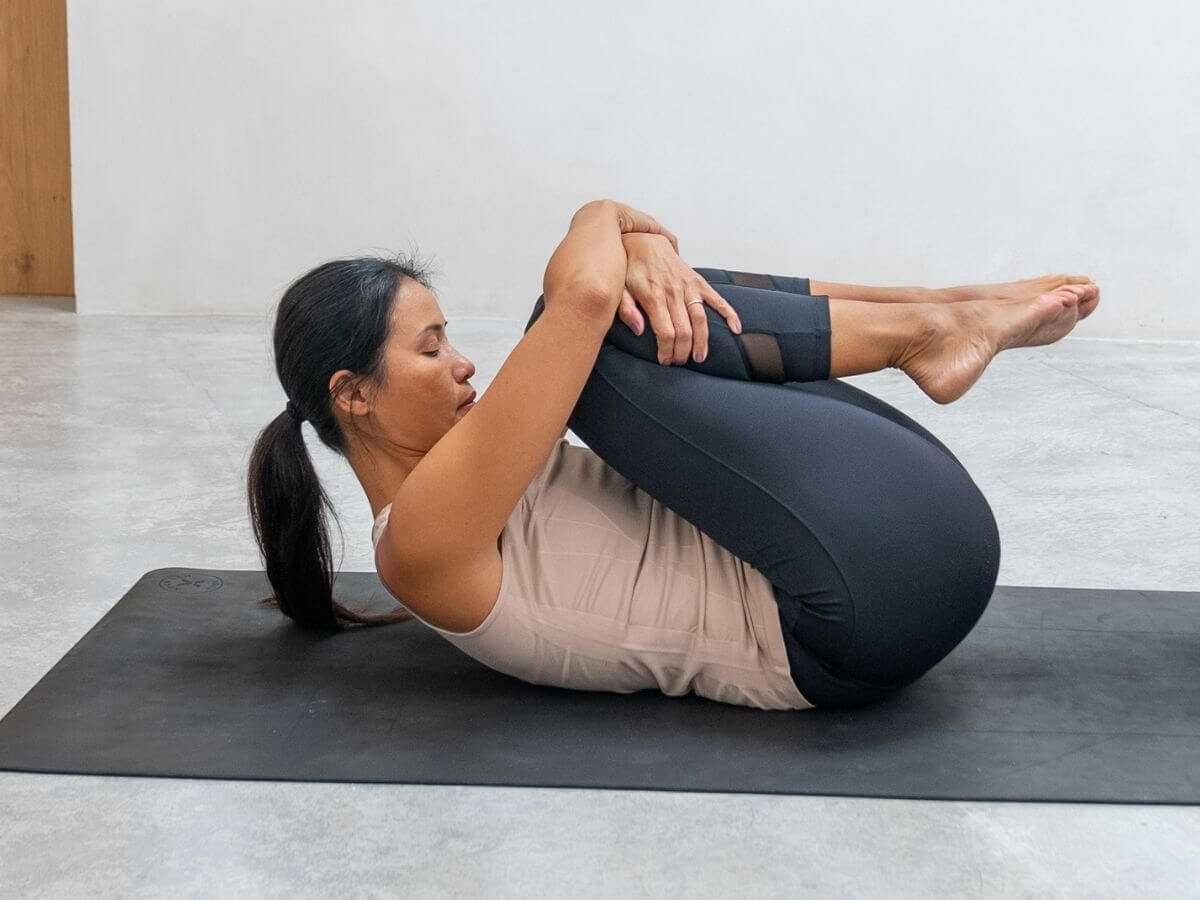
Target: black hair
[336, 316]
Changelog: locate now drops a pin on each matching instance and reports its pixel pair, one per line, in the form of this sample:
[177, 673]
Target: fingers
[672, 330]
[698, 346]
[698, 319]
[680, 324]
[688, 333]
[628, 313]
[671, 237]
[663, 325]
[631, 220]
[721, 305]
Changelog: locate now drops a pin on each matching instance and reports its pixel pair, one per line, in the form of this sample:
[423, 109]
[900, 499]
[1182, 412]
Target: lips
[468, 400]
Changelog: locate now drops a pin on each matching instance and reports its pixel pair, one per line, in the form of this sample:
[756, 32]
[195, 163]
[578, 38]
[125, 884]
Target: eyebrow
[433, 327]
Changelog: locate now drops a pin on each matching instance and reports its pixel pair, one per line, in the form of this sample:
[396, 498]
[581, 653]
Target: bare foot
[962, 338]
[1020, 290]
[1012, 290]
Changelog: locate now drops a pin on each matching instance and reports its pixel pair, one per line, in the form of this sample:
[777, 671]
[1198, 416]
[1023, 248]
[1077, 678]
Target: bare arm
[455, 502]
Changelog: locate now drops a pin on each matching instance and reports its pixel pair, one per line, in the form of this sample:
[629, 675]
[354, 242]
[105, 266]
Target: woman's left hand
[663, 284]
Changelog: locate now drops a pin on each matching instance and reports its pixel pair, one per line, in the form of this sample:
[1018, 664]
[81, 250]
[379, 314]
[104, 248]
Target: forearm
[591, 258]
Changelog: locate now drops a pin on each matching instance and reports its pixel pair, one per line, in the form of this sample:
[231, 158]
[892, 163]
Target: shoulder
[451, 593]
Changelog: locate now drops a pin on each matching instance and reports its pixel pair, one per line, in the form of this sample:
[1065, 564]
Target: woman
[741, 524]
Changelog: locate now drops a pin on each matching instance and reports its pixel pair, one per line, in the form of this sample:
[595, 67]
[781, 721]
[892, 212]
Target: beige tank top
[606, 589]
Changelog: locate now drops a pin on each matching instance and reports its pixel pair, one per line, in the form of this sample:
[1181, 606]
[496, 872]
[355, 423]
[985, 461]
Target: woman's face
[425, 380]
[426, 375]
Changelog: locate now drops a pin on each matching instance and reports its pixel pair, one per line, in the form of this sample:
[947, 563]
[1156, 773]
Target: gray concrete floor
[125, 442]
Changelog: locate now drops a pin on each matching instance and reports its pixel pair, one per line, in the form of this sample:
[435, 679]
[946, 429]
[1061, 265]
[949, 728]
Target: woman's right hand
[590, 262]
[635, 220]
[588, 266]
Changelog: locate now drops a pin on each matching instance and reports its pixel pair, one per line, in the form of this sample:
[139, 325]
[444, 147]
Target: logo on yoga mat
[191, 583]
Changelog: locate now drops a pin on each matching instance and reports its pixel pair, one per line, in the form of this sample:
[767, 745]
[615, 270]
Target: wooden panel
[36, 251]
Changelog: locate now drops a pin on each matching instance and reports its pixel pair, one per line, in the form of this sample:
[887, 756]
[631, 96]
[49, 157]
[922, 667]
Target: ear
[348, 394]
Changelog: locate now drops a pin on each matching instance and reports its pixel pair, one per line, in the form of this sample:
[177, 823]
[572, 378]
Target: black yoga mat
[1058, 694]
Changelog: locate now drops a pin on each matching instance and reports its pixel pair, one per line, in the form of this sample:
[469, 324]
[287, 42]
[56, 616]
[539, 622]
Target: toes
[1063, 297]
[1084, 291]
[1088, 306]
[1069, 294]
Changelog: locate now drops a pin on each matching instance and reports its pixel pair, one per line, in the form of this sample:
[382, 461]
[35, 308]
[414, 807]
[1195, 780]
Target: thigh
[791, 481]
[822, 461]
[882, 550]
[832, 502]
[847, 393]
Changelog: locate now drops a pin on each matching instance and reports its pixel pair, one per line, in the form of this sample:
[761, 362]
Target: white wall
[221, 148]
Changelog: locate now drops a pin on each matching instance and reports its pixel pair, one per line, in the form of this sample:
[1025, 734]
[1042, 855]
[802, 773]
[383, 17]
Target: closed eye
[441, 337]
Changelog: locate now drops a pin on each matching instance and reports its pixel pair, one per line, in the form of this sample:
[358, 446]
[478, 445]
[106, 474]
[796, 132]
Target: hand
[635, 221]
[664, 284]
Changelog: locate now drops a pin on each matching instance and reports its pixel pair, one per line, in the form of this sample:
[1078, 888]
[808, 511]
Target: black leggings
[882, 550]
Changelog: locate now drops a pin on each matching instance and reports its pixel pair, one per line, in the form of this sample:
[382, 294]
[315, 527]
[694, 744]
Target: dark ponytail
[337, 316]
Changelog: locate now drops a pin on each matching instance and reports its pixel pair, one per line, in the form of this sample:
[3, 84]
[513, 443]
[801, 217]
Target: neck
[381, 474]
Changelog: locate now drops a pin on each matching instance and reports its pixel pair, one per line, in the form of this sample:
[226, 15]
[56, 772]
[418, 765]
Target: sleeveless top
[606, 589]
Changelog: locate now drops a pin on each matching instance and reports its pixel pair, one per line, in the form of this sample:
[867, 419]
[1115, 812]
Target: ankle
[926, 322]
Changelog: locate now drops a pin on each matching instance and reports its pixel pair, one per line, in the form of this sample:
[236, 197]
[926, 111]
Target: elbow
[586, 296]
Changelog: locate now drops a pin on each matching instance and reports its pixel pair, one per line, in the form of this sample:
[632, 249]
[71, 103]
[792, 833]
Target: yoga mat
[1062, 694]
